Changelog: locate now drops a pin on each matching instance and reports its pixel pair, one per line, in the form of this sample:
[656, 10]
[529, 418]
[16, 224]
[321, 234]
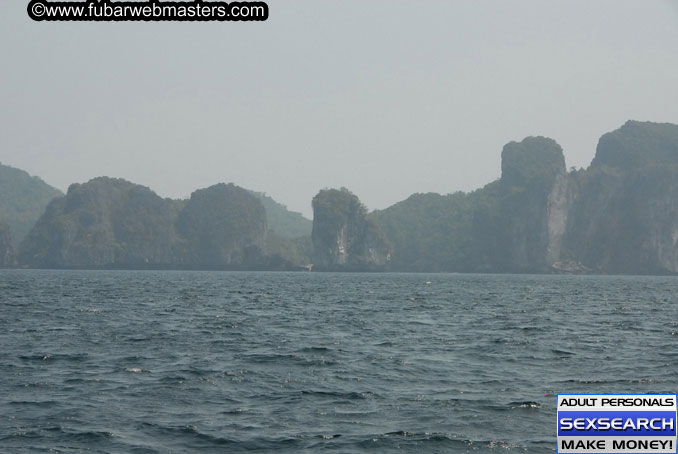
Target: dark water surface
[174, 362]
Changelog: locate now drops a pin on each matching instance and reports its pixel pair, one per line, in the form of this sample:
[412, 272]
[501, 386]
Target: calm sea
[182, 362]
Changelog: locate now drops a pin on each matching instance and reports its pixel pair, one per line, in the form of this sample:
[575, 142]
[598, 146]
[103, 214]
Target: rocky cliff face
[618, 216]
[520, 219]
[7, 255]
[515, 224]
[344, 238]
[625, 217]
[559, 202]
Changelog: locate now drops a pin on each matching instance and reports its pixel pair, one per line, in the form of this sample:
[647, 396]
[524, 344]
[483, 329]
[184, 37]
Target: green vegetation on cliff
[102, 224]
[222, 226]
[429, 232]
[638, 144]
[531, 162]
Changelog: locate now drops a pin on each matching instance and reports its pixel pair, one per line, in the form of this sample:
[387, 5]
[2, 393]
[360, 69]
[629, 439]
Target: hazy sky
[385, 97]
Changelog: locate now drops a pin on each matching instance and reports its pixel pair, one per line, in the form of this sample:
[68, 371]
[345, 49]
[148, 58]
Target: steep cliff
[7, 255]
[518, 221]
[344, 238]
[625, 218]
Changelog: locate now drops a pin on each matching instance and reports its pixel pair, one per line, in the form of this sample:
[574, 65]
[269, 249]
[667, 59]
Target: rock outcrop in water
[344, 238]
[112, 223]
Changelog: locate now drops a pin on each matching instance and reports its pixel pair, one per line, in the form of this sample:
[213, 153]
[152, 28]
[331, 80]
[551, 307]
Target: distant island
[618, 216]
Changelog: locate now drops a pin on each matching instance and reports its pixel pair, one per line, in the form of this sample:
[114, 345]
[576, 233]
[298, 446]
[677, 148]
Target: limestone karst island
[618, 216]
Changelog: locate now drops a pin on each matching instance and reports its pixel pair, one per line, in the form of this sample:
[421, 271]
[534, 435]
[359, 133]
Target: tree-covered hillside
[283, 222]
[23, 199]
[112, 223]
[222, 226]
